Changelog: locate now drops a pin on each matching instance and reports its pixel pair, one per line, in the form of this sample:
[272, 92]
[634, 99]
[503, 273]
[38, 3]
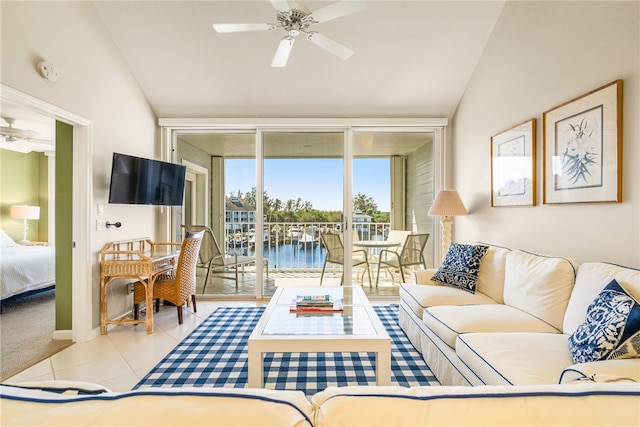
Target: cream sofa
[514, 329]
[613, 404]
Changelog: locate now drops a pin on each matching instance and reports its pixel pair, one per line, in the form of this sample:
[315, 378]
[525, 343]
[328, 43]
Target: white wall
[540, 55]
[94, 83]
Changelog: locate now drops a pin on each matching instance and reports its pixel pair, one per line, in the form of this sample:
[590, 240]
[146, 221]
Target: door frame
[82, 304]
[199, 177]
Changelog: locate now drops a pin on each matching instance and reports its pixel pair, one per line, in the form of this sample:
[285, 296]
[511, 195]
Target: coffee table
[356, 329]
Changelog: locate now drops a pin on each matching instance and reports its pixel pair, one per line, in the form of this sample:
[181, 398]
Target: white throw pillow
[592, 278]
[540, 285]
[6, 241]
[491, 273]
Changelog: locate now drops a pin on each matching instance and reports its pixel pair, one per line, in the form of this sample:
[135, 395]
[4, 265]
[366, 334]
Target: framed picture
[583, 148]
[513, 166]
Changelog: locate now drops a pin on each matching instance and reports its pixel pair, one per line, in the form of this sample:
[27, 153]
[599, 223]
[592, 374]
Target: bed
[24, 269]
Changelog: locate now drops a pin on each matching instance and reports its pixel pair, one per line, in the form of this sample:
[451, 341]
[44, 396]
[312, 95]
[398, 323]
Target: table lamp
[446, 205]
[25, 213]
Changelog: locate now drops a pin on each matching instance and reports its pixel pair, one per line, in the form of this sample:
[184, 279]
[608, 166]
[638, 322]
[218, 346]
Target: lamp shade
[25, 212]
[447, 203]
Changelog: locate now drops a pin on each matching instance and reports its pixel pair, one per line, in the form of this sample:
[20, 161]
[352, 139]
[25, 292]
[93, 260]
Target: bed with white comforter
[24, 268]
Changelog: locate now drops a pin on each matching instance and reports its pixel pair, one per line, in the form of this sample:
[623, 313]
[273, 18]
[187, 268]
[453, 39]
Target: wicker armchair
[411, 254]
[177, 286]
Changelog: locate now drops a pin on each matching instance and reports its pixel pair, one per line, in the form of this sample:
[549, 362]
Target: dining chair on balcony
[214, 259]
[177, 285]
[410, 255]
[335, 255]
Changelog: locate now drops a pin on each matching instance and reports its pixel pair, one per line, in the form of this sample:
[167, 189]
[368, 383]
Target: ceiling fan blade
[282, 54]
[338, 9]
[234, 28]
[280, 5]
[18, 133]
[329, 45]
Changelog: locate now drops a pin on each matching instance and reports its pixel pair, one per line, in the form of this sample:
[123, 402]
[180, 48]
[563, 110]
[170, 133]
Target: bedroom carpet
[215, 355]
[26, 329]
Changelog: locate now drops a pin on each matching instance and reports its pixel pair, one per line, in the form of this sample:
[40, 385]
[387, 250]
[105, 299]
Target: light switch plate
[100, 210]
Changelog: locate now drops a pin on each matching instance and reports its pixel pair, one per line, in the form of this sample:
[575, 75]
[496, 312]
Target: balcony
[296, 257]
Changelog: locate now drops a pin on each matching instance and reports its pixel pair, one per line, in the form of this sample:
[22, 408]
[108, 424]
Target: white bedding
[26, 268]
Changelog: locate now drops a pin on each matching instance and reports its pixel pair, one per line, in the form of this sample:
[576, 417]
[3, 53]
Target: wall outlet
[101, 225]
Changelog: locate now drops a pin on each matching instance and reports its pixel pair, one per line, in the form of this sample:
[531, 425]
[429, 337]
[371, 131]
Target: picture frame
[513, 166]
[582, 159]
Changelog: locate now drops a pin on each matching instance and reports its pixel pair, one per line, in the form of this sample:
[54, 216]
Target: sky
[318, 181]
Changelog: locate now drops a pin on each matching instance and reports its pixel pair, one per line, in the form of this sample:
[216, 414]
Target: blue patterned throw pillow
[611, 329]
[460, 266]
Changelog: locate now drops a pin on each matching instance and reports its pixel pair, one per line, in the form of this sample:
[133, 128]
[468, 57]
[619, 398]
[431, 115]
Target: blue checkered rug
[215, 355]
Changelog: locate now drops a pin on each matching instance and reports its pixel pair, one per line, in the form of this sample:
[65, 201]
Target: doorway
[74, 309]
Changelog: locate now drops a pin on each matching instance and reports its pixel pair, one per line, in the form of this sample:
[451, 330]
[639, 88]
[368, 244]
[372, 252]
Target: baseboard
[62, 335]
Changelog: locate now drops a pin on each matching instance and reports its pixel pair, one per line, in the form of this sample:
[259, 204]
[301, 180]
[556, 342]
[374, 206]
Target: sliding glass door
[270, 192]
[303, 178]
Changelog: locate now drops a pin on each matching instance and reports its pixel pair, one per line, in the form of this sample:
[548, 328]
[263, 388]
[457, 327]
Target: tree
[365, 204]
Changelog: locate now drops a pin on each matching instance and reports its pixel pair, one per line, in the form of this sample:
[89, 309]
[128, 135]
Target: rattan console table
[139, 259]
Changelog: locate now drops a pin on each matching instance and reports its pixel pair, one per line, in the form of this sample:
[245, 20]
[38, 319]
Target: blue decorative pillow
[611, 329]
[460, 266]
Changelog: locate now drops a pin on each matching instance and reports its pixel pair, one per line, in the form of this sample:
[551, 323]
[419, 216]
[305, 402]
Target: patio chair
[335, 255]
[177, 285]
[411, 254]
[214, 259]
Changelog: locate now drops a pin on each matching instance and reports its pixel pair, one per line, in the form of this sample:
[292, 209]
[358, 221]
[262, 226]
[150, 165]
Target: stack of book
[315, 304]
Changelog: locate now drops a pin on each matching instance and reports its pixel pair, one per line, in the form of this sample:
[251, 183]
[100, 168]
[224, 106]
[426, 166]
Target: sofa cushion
[418, 297]
[540, 285]
[539, 405]
[460, 266]
[193, 406]
[611, 328]
[591, 279]
[603, 371]
[491, 273]
[515, 357]
[449, 322]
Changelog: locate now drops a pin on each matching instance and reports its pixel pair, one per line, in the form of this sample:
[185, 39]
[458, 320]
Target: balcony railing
[293, 245]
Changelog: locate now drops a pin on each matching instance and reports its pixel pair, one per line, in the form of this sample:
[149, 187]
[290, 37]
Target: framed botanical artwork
[583, 148]
[513, 166]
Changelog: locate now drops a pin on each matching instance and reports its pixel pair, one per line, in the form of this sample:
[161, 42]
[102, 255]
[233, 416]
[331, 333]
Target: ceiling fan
[298, 19]
[12, 134]
[22, 140]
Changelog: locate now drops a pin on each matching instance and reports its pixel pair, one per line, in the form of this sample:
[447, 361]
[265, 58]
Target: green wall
[64, 225]
[24, 181]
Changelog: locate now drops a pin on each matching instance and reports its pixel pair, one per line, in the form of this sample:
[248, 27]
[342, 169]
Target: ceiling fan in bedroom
[298, 19]
[23, 140]
[12, 134]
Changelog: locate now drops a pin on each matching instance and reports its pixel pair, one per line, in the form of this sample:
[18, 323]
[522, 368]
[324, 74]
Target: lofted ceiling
[412, 58]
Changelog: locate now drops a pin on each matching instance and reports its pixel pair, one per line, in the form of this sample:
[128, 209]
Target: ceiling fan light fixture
[297, 19]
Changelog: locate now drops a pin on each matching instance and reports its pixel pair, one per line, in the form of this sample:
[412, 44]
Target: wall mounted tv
[140, 181]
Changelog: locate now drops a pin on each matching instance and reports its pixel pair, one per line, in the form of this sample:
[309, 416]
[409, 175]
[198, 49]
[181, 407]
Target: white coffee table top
[357, 317]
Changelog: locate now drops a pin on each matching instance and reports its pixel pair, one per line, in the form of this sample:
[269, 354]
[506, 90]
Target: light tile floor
[127, 353]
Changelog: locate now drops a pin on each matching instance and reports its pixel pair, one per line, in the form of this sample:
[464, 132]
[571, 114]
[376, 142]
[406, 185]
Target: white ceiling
[412, 58]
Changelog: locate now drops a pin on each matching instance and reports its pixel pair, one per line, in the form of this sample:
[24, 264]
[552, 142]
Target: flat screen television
[140, 181]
